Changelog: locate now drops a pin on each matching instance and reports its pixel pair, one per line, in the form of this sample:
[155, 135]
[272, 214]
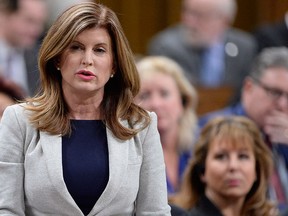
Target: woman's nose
[233, 163]
[87, 59]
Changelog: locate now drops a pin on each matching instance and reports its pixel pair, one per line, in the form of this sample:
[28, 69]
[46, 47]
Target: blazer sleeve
[11, 165]
[152, 195]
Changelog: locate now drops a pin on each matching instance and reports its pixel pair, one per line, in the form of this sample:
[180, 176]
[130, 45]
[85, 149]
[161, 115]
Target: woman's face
[160, 93]
[229, 171]
[87, 63]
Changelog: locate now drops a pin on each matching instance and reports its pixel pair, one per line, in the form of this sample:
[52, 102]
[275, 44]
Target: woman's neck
[169, 139]
[85, 112]
[84, 108]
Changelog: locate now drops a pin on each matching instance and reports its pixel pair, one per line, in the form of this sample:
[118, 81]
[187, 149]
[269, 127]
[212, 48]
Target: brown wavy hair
[237, 131]
[49, 109]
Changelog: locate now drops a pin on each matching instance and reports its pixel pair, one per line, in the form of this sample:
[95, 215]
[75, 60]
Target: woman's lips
[85, 75]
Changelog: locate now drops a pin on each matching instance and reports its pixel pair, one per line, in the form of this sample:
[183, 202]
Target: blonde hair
[148, 66]
[237, 131]
[49, 110]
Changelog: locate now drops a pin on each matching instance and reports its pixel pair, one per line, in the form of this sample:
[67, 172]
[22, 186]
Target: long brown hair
[49, 110]
[235, 130]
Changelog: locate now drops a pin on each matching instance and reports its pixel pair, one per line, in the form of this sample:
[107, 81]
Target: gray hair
[269, 58]
[228, 8]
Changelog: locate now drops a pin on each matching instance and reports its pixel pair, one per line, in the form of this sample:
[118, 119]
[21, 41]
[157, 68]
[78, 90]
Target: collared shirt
[213, 66]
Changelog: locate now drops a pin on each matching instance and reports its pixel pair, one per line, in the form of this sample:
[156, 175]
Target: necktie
[212, 70]
[278, 190]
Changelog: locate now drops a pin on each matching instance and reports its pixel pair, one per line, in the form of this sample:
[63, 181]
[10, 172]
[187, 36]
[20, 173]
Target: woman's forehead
[232, 142]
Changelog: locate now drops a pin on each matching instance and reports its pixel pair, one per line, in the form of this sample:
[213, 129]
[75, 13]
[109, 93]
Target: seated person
[205, 44]
[166, 91]
[264, 99]
[229, 171]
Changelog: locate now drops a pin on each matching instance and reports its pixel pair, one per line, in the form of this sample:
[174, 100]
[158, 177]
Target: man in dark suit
[211, 52]
[264, 99]
[21, 25]
[273, 34]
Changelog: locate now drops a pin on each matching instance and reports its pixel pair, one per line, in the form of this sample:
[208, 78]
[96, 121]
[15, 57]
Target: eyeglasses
[274, 93]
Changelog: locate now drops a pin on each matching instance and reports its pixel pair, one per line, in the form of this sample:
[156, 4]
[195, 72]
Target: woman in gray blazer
[81, 146]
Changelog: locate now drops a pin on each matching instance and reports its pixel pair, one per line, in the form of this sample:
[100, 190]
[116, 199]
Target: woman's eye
[100, 50]
[165, 93]
[144, 96]
[75, 47]
[243, 156]
[220, 156]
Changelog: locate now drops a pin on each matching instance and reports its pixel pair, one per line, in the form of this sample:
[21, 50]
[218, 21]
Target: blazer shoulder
[151, 128]
[17, 114]
[17, 109]
[241, 37]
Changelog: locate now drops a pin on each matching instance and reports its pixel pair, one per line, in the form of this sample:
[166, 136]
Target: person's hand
[276, 127]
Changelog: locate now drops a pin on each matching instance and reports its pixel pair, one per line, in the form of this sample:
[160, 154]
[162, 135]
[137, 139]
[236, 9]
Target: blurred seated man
[211, 52]
[264, 99]
[21, 25]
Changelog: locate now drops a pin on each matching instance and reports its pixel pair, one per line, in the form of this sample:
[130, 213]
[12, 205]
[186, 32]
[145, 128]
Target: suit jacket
[33, 76]
[272, 35]
[31, 176]
[30, 58]
[171, 43]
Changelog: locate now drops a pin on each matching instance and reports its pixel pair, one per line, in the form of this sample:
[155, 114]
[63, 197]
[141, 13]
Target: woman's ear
[202, 177]
[201, 172]
[57, 63]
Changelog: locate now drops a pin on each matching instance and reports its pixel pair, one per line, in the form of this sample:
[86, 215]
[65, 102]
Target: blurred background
[141, 19]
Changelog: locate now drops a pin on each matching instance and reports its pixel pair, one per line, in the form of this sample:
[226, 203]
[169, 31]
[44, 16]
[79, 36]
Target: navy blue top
[85, 162]
[205, 207]
[183, 161]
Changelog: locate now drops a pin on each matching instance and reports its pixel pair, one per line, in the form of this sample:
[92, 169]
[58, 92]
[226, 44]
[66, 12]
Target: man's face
[203, 22]
[267, 94]
[26, 25]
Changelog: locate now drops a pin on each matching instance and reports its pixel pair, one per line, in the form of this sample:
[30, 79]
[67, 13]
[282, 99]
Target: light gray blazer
[31, 175]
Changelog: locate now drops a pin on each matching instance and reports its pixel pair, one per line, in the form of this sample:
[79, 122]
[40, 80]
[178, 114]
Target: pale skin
[229, 175]
[159, 93]
[277, 127]
[270, 114]
[23, 29]
[204, 22]
[86, 66]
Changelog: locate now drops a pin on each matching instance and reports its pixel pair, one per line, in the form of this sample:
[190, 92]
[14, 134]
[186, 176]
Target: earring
[58, 68]
[112, 75]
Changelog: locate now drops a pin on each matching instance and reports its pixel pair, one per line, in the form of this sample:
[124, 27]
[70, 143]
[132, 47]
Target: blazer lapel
[52, 149]
[118, 162]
